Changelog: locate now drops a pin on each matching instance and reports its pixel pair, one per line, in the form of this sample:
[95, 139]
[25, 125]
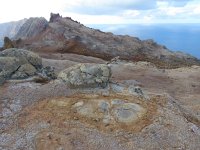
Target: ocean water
[176, 37]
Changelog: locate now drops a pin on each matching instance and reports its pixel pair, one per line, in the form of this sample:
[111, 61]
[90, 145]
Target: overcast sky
[105, 11]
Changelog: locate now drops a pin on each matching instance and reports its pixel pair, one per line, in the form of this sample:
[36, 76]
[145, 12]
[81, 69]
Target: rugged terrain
[64, 35]
[50, 99]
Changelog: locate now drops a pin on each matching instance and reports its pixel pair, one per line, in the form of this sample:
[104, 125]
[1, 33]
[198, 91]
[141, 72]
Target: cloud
[105, 11]
[12, 10]
[176, 3]
[102, 7]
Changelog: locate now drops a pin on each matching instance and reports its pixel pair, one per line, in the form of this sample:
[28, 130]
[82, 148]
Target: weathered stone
[82, 75]
[48, 72]
[24, 56]
[87, 111]
[135, 90]
[24, 71]
[118, 88]
[8, 65]
[78, 104]
[128, 113]
[103, 106]
[117, 102]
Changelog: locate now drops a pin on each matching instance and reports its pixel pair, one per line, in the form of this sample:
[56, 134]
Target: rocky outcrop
[54, 17]
[25, 57]
[21, 64]
[31, 28]
[82, 75]
[8, 43]
[10, 29]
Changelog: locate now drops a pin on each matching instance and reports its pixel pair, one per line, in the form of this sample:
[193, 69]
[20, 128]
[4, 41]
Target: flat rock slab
[128, 112]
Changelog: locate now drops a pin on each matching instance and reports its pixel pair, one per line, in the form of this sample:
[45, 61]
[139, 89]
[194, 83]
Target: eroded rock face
[32, 27]
[82, 75]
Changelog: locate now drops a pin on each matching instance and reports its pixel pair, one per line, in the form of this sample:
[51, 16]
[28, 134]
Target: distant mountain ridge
[64, 35]
[10, 29]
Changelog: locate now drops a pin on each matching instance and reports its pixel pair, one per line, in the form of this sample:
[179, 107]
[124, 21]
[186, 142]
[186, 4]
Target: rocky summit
[64, 86]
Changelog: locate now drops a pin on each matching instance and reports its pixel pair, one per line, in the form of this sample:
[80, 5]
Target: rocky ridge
[64, 35]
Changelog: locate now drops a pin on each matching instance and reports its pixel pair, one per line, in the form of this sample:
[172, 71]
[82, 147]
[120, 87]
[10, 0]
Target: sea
[176, 37]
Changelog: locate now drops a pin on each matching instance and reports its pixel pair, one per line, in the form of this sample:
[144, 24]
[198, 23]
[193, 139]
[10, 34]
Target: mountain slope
[10, 29]
[64, 35]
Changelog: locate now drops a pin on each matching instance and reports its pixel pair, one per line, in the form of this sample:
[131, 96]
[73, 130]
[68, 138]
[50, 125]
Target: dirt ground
[40, 115]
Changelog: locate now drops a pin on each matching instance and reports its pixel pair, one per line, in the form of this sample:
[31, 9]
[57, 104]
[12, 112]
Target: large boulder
[25, 57]
[8, 65]
[24, 71]
[21, 64]
[89, 75]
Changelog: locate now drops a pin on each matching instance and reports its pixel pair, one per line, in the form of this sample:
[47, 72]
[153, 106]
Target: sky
[105, 11]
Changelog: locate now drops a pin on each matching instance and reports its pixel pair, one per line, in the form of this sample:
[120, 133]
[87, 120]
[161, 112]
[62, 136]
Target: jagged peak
[54, 17]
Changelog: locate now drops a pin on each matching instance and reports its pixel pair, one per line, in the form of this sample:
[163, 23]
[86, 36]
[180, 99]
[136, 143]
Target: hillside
[64, 35]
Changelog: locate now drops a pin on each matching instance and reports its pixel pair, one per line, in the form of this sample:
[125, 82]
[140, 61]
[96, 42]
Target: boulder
[21, 64]
[83, 75]
[8, 65]
[24, 71]
[25, 57]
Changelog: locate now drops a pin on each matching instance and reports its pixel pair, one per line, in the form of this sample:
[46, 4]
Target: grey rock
[135, 90]
[6, 112]
[25, 57]
[117, 102]
[48, 72]
[24, 71]
[104, 106]
[82, 75]
[21, 64]
[8, 65]
[128, 113]
[118, 88]
[15, 108]
[87, 111]
[32, 27]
